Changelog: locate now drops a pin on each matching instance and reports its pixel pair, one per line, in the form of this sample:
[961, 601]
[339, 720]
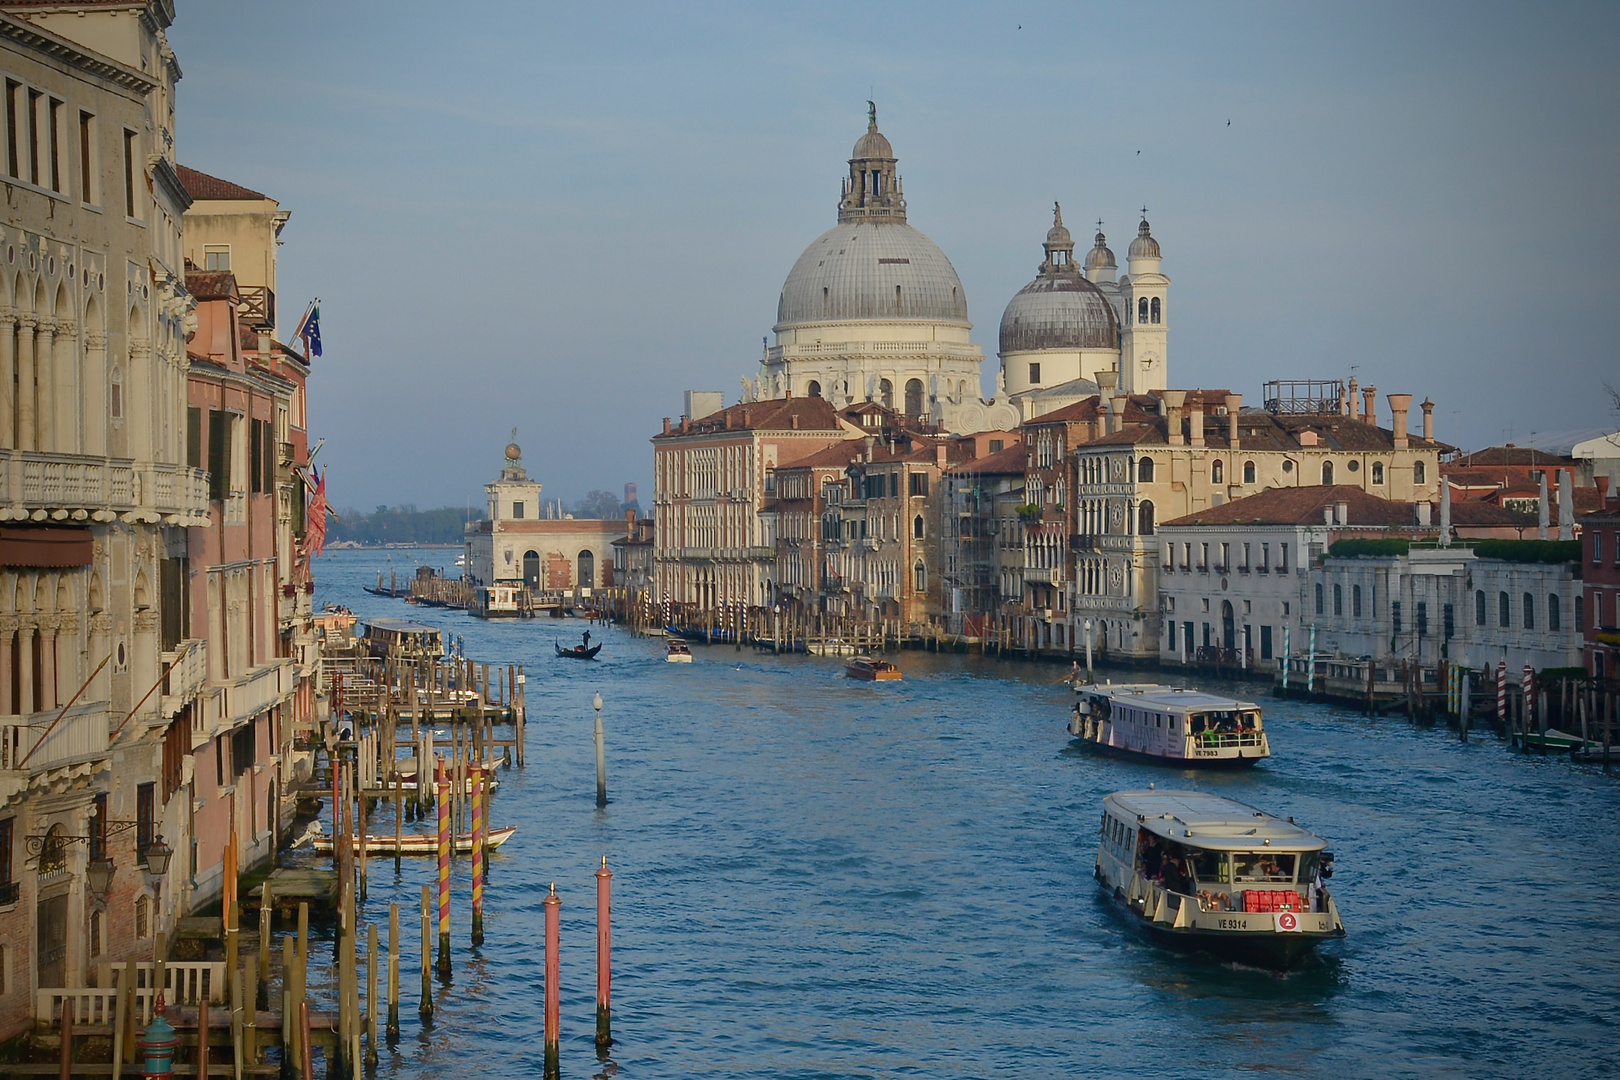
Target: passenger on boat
[1174, 876]
[1152, 858]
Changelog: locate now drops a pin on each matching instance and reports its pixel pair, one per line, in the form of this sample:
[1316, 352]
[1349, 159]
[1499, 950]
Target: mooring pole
[444, 872]
[601, 755]
[552, 1068]
[475, 775]
[604, 966]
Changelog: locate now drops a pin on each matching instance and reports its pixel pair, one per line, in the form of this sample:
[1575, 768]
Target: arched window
[917, 527]
[1554, 616]
[914, 398]
[1319, 592]
[919, 577]
[1248, 472]
[1154, 308]
[1144, 517]
[1338, 599]
[814, 389]
[1529, 611]
[531, 569]
[117, 403]
[1217, 471]
[1142, 310]
[1580, 615]
[1419, 476]
[1327, 473]
[1479, 607]
[1378, 472]
[587, 569]
[1144, 470]
[886, 393]
[1355, 601]
[1504, 611]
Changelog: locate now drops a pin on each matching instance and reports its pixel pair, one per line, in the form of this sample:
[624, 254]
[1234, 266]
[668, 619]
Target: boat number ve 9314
[1231, 924]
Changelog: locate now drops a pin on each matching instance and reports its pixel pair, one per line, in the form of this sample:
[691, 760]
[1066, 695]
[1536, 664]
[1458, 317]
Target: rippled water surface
[818, 877]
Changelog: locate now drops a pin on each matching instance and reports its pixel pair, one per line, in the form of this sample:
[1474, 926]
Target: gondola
[578, 652]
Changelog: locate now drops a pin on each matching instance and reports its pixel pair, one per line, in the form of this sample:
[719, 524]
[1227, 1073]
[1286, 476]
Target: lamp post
[601, 754]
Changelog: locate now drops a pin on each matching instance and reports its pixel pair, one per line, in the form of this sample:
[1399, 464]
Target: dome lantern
[1059, 246]
[1100, 264]
[1144, 246]
[1061, 309]
[872, 191]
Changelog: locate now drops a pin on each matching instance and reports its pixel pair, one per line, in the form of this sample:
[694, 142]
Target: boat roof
[1153, 696]
[1215, 822]
[400, 626]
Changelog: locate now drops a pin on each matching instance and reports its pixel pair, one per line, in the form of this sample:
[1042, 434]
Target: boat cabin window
[1223, 721]
[1263, 866]
[1209, 867]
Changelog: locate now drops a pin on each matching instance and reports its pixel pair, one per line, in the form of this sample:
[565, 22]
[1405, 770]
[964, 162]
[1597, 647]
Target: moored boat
[420, 843]
[871, 669]
[679, 653]
[1169, 724]
[1203, 873]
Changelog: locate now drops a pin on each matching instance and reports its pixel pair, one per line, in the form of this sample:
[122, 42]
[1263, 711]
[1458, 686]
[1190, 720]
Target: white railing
[45, 481]
[184, 981]
[185, 679]
[34, 742]
[91, 1005]
[252, 694]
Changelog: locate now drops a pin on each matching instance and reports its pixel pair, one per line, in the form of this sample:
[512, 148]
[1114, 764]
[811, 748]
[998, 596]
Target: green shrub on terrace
[1368, 548]
[1529, 551]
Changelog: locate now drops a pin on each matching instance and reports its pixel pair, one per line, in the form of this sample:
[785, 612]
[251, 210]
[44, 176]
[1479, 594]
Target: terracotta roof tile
[211, 284]
[199, 185]
[1009, 462]
[812, 414]
[1303, 506]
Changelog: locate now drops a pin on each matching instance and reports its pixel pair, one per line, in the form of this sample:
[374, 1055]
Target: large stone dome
[1059, 311]
[852, 271]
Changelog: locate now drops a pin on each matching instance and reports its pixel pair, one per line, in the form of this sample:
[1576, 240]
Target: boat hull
[1272, 949]
[1239, 762]
[420, 843]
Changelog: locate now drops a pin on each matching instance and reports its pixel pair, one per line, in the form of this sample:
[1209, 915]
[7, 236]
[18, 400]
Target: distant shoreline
[346, 545]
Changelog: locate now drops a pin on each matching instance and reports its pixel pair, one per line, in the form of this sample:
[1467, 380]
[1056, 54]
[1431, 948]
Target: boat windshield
[1223, 721]
[1263, 866]
[1209, 867]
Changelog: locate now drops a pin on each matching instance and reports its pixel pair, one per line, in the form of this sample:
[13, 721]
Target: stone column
[28, 701]
[45, 385]
[49, 697]
[8, 634]
[92, 396]
[24, 405]
[65, 389]
[8, 364]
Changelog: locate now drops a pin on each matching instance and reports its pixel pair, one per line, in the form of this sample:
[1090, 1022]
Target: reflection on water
[819, 877]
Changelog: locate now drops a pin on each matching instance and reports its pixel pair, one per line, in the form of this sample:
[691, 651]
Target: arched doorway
[1228, 627]
[914, 398]
[531, 569]
[587, 569]
[51, 918]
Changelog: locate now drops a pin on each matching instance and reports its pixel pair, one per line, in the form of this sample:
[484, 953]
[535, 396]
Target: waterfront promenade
[816, 877]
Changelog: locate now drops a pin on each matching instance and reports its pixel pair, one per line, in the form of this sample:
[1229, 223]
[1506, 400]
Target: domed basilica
[874, 311]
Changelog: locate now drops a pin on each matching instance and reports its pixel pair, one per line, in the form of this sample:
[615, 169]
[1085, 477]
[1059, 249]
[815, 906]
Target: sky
[556, 218]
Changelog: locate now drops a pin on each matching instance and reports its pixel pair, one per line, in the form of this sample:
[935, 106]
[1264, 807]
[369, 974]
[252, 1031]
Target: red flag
[315, 519]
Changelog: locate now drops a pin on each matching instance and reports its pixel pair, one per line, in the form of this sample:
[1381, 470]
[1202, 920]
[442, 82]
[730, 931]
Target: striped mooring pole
[1310, 664]
[1527, 686]
[443, 799]
[476, 776]
[1287, 659]
[1501, 691]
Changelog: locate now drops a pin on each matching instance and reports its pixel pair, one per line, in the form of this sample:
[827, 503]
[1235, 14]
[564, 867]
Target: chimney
[939, 456]
[1174, 400]
[1341, 513]
[1107, 382]
[1106, 405]
[1195, 422]
[1234, 405]
[1566, 505]
[793, 421]
[1369, 404]
[1602, 483]
[1355, 405]
[1428, 419]
[1399, 406]
[1327, 515]
[728, 419]
[666, 425]
[1543, 513]
[686, 424]
[1423, 515]
[1118, 411]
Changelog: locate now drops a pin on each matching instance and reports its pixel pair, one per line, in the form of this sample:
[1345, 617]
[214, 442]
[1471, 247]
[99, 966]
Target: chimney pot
[666, 425]
[1369, 404]
[1234, 405]
[1355, 403]
[1327, 515]
[1195, 422]
[939, 457]
[1173, 401]
[1423, 514]
[1428, 419]
[793, 421]
[1107, 381]
[1341, 513]
[1399, 406]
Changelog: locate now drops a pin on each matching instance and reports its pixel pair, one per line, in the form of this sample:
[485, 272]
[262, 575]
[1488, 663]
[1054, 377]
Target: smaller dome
[1058, 311]
[1058, 235]
[1099, 257]
[1144, 246]
[872, 144]
[513, 452]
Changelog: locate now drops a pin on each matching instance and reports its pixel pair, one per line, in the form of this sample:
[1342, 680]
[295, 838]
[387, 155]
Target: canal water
[816, 877]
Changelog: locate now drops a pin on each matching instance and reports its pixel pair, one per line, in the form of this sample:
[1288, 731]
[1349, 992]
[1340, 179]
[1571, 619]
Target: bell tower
[1146, 324]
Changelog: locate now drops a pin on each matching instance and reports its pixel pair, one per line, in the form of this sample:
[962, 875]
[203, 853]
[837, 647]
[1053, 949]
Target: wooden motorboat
[1204, 873]
[679, 653]
[1170, 725]
[420, 843]
[578, 652]
[871, 669]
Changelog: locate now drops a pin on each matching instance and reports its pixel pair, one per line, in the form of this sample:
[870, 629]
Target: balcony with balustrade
[41, 486]
[53, 738]
[186, 671]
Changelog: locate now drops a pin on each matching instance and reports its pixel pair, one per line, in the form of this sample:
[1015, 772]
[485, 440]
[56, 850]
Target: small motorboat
[679, 653]
[578, 652]
[420, 843]
[871, 669]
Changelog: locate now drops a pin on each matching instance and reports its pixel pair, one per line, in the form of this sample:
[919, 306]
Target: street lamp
[99, 875]
[158, 855]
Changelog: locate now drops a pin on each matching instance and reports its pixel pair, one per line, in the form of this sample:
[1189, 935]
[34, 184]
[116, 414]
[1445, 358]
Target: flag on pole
[315, 519]
[309, 329]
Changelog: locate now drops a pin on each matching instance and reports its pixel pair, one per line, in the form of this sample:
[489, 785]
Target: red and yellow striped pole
[444, 867]
[552, 1067]
[475, 774]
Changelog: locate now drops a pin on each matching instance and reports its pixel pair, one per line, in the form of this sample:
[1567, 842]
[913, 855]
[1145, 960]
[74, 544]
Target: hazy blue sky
[557, 218]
